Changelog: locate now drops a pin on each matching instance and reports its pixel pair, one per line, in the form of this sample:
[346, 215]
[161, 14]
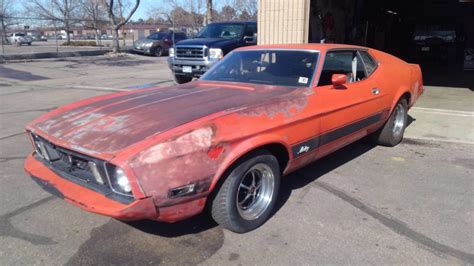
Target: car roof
[236, 22]
[322, 47]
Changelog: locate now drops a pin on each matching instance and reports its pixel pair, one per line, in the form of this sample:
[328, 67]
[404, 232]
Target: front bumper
[88, 199]
[199, 67]
[92, 201]
[144, 50]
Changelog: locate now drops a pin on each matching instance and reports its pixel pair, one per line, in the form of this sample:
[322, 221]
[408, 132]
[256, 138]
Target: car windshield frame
[201, 32]
[311, 78]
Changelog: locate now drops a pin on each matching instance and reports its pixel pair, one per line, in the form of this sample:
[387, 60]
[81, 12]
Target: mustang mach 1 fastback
[222, 142]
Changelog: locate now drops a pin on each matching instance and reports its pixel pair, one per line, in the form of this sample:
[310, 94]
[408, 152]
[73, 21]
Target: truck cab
[193, 57]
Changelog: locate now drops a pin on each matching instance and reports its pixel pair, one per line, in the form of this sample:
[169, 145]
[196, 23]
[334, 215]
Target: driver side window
[342, 62]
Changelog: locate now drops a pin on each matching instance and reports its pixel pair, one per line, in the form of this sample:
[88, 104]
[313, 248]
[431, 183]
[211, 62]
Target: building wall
[283, 21]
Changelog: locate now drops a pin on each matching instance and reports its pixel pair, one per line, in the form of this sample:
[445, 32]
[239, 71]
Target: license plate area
[425, 48]
[187, 69]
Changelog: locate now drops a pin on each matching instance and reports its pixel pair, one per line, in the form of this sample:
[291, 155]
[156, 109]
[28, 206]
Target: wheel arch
[278, 148]
[402, 94]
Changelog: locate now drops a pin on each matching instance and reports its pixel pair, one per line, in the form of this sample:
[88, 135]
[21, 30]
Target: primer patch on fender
[196, 140]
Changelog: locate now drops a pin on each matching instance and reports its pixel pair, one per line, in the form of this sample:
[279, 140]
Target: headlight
[148, 44]
[215, 54]
[171, 52]
[119, 181]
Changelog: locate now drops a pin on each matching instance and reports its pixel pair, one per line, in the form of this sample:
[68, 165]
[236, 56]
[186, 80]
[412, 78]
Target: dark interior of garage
[437, 34]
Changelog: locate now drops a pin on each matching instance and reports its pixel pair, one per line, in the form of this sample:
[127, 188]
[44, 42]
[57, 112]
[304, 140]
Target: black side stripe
[316, 142]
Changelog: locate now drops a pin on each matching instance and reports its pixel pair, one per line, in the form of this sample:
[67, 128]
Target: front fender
[243, 147]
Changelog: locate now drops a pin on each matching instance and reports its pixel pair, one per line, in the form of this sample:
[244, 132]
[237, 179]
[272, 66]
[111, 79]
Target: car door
[346, 111]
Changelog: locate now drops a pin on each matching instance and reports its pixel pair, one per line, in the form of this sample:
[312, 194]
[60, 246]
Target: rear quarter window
[369, 62]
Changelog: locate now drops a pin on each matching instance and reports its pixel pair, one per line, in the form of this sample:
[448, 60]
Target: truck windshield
[273, 67]
[228, 31]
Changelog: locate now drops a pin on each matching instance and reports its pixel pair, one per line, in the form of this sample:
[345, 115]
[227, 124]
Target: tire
[181, 79]
[158, 52]
[392, 131]
[247, 197]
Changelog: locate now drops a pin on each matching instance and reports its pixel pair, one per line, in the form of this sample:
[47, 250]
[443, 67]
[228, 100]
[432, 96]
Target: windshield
[227, 31]
[156, 36]
[272, 67]
[20, 34]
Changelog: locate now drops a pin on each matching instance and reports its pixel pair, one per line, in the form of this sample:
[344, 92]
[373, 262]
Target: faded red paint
[169, 137]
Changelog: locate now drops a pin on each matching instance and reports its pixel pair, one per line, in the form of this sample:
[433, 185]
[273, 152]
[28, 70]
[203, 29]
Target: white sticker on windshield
[303, 80]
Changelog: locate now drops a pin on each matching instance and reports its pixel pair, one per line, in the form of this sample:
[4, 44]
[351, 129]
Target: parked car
[158, 43]
[224, 141]
[38, 38]
[435, 42]
[19, 38]
[193, 57]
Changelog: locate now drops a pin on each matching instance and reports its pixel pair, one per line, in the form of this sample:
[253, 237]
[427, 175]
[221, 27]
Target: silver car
[18, 38]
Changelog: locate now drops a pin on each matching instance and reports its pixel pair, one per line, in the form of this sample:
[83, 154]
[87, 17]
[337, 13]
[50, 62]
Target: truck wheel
[248, 195]
[158, 51]
[180, 79]
[392, 131]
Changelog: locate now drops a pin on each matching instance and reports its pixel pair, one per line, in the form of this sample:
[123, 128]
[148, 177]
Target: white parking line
[443, 111]
[441, 140]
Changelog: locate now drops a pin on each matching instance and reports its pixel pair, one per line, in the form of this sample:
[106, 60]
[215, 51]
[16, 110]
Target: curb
[5, 58]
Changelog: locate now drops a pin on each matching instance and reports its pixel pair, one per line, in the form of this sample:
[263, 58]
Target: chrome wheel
[255, 191]
[399, 119]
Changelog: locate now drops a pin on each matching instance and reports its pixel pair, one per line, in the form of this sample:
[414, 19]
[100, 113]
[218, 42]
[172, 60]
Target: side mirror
[338, 80]
[249, 39]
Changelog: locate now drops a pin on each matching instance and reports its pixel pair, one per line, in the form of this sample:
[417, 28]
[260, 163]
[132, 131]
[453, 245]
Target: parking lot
[365, 204]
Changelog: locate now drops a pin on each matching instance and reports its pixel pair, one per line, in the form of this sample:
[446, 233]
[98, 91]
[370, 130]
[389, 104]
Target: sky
[145, 6]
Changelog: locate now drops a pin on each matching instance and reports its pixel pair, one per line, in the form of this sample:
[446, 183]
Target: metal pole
[3, 35]
[56, 37]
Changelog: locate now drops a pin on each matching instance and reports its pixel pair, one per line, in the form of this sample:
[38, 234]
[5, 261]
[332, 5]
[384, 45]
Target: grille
[65, 162]
[193, 53]
[75, 167]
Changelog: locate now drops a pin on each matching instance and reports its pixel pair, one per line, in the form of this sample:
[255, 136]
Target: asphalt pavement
[365, 204]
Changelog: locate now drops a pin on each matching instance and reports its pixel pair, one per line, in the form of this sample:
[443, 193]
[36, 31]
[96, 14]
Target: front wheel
[181, 79]
[158, 51]
[392, 131]
[247, 197]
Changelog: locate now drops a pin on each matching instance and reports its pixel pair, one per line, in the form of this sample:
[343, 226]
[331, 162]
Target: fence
[30, 37]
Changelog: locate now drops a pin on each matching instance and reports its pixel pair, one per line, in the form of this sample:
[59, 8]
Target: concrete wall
[283, 21]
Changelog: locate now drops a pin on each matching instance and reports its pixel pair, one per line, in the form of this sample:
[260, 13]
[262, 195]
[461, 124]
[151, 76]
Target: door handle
[375, 91]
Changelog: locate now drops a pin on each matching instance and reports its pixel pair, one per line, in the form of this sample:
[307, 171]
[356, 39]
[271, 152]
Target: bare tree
[208, 12]
[227, 13]
[118, 22]
[247, 9]
[95, 14]
[63, 11]
[6, 13]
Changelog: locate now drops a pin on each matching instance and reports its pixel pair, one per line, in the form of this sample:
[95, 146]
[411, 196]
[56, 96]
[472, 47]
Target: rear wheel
[392, 131]
[180, 79]
[248, 195]
[158, 51]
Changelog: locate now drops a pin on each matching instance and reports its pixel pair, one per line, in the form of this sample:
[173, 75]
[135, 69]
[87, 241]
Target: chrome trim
[96, 173]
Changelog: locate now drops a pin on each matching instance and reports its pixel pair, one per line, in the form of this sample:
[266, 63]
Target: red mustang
[224, 141]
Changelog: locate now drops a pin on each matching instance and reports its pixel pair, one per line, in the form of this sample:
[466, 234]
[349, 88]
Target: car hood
[107, 125]
[144, 41]
[209, 42]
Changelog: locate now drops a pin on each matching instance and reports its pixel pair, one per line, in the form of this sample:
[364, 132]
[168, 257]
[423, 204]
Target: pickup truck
[193, 57]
